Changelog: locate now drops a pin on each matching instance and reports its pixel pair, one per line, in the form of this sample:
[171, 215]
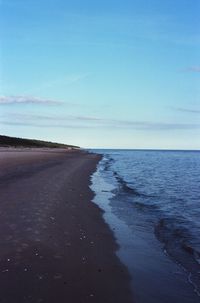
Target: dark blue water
[159, 191]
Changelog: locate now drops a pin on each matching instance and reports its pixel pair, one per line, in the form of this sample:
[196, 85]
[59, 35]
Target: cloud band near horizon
[90, 123]
[7, 100]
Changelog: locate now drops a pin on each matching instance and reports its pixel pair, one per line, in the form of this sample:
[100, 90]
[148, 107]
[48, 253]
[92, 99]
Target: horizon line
[142, 149]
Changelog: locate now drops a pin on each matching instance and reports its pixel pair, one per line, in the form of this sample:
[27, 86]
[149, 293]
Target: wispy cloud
[188, 110]
[193, 69]
[35, 117]
[91, 122]
[27, 100]
[155, 126]
[75, 78]
[67, 80]
[44, 125]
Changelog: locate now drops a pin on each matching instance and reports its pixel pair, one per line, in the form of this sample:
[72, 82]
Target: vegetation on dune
[19, 142]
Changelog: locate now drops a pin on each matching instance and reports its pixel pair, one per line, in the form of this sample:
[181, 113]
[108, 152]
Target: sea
[151, 201]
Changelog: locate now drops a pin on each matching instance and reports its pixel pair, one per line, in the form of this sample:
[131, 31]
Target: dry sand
[55, 245]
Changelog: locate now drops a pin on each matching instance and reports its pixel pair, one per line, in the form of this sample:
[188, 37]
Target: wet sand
[55, 245]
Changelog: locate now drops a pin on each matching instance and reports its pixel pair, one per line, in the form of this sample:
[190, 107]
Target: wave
[176, 240]
[165, 209]
[169, 229]
[108, 161]
[192, 251]
[145, 206]
[124, 186]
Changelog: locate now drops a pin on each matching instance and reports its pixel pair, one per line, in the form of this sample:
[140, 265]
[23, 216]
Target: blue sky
[121, 74]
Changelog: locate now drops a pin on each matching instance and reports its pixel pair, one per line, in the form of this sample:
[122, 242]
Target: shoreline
[56, 244]
[156, 277]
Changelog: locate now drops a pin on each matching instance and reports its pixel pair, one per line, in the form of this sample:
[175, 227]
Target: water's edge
[144, 256]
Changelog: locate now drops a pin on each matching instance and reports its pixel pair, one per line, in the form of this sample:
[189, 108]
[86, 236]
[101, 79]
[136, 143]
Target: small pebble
[40, 277]
[84, 259]
[24, 245]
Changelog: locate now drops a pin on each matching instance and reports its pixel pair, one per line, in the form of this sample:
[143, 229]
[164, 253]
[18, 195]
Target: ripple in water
[165, 187]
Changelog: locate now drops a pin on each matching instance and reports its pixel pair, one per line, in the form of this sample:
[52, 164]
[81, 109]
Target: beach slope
[55, 245]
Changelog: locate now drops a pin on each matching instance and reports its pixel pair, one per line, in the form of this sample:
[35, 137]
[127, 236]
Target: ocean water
[152, 202]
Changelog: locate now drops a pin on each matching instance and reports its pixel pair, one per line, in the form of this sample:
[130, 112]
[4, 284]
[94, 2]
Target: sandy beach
[55, 245]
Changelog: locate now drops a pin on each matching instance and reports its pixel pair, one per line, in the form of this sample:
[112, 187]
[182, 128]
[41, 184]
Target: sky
[101, 74]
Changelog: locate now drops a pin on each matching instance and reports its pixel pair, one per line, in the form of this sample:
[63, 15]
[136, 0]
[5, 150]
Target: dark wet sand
[54, 244]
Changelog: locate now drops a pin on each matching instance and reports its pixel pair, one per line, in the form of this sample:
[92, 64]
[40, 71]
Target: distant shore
[14, 142]
[55, 245]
